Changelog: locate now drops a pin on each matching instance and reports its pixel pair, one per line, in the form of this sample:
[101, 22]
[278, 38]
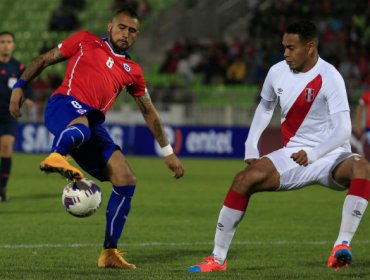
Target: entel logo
[207, 142]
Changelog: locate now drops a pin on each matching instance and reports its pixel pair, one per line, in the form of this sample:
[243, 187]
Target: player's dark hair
[305, 29]
[7, 33]
[128, 10]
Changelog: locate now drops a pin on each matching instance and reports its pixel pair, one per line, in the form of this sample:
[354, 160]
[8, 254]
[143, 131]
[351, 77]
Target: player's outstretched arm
[33, 70]
[154, 123]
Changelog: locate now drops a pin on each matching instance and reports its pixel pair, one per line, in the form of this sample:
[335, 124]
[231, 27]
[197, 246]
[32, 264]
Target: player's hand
[16, 102]
[175, 165]
[300, 158]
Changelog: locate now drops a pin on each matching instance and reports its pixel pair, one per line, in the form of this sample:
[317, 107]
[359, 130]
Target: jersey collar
[123, 53]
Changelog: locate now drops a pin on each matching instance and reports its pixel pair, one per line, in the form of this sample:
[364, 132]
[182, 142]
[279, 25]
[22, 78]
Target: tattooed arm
[33, 70]
[154, 123]
[152, 119]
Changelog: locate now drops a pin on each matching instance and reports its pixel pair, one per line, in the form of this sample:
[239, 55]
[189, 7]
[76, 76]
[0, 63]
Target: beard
[117, 47]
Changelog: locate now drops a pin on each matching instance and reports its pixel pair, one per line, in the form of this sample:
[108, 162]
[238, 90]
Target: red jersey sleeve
[71, 45]
[138, 88]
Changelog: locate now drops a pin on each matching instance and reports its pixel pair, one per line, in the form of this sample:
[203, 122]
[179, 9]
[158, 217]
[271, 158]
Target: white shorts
[294, 176]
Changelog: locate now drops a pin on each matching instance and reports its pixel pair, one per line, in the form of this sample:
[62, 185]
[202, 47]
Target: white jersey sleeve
[261, 119]
[335, 91]
[267, 92]
[340, 133]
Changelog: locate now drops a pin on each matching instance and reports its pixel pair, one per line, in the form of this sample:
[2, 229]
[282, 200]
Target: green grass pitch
[171, 226]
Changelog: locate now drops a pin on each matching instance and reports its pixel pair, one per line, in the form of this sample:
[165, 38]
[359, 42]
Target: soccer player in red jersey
[316, 127]
[98, 70]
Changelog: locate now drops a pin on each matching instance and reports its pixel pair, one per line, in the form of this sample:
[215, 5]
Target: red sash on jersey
[300, 108]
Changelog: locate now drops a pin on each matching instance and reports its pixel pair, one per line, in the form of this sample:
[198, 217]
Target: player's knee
[6, 146]
[81, 133]
[247, 181]
[361, 169]
[6, 150]
[123, 179]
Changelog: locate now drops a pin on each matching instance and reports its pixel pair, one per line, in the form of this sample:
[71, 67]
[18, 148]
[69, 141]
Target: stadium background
[204, 62]
[171, 226]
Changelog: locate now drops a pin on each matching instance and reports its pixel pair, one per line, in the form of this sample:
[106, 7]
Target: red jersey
[95, 74]
[365, 100]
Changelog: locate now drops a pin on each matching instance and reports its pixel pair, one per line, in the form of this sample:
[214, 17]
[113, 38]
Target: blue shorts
[94, 154]
[8, 125]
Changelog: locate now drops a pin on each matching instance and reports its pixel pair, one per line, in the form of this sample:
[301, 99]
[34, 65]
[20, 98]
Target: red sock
[360, 187]
[236, 201]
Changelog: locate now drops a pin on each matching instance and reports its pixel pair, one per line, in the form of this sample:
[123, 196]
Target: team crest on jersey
[309, 94]
[126, 67]
[81, 111]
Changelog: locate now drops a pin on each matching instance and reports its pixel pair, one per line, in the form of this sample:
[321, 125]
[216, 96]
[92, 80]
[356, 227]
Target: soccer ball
[82, 198]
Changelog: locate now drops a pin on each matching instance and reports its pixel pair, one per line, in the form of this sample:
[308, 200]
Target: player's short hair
[305, 29]
[127, 10]
[7, 33]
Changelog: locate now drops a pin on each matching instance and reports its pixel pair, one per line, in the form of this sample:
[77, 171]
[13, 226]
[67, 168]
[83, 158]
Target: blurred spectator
[236, 72]
[169, 65]
[235, 48]
[144, 9]
[64, 18]
[344, 30]
[184, 69]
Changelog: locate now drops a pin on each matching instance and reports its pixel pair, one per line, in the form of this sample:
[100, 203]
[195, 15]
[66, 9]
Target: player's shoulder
[281, 65]
[329, 69]
[14, 61]
[89, 34]
[85, 35]
[279, 68]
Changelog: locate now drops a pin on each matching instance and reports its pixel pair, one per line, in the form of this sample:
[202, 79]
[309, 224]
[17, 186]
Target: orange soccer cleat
[112, 258]
[208, 264]
[340, 256]
[57, 163]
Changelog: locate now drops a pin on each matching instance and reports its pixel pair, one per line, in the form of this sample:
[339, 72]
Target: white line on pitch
[169, 244]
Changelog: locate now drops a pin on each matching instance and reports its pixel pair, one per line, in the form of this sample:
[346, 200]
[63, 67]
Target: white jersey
[307, 100]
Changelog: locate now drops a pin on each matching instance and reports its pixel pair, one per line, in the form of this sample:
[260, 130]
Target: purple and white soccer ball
[82, 198]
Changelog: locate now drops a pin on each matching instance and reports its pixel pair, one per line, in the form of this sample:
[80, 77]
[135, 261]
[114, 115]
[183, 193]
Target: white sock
[353, 210]
[226, 227]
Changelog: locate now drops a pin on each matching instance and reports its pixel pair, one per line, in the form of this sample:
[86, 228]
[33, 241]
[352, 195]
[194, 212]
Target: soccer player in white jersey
[316, 127]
